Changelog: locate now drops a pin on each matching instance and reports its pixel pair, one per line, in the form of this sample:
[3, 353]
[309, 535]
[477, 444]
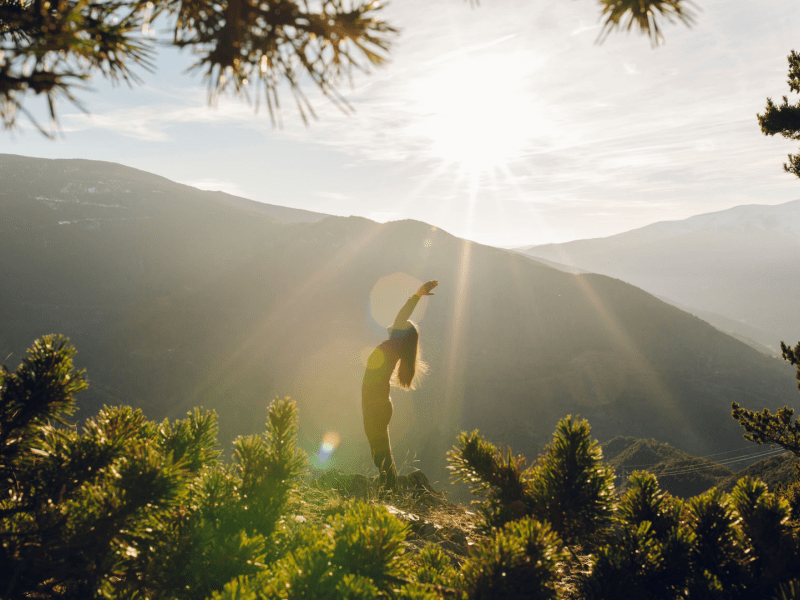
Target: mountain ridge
[740, 263]
[732, 215]
[109, 171]
[685, 475]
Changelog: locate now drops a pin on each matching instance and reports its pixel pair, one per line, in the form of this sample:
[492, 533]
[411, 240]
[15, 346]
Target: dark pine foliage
[130, 508]
[570, 488]
[784, 118]
[53, 47]
[767, 428]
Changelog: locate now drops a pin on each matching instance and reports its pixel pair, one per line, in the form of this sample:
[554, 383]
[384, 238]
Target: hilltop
[685, 475]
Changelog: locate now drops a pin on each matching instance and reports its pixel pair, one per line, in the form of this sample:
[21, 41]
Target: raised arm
[411, 303]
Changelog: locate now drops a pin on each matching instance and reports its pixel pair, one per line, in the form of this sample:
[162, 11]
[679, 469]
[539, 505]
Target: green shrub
[356, 554]
[129, 508]
[570, 488]
[573, 489]
[126, 506]
[518, 561]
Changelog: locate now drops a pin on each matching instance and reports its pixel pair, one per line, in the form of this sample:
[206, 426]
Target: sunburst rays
[237, 361]
[634, 354]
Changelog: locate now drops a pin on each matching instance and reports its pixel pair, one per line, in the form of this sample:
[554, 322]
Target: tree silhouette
[784, 118]
[52, 47]
[767, 428]
[643, 15]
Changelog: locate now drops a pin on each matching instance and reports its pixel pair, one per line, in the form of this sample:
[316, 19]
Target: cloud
[154, 122]
[630, 68]
[217, 185]
[384, 216]
[332, 196]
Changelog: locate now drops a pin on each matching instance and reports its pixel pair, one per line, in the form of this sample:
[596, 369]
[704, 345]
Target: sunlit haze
[506, 124]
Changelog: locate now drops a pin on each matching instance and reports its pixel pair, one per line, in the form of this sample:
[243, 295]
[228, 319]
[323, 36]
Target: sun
[476, 111]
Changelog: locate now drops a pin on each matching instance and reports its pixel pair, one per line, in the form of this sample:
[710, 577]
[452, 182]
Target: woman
[401, 347]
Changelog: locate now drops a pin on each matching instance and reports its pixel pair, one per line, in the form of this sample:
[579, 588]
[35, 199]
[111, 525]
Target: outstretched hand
[425, 289]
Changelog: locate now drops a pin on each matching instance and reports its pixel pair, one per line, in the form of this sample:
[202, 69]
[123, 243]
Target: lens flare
[389, 294]
[360, 360]
[329, 443]
[376, 359]
[363, 357]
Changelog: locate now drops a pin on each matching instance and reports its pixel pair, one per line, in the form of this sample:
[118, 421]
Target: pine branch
[644, 15]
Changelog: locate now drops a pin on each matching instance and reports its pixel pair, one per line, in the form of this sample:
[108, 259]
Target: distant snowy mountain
[747, 219]
[742, 263]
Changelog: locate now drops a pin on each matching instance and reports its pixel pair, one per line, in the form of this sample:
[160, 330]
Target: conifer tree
[359, 554]
[573, 489]
[570, 488]
[239, 46]
[646, 557]
[129, 507]
[76, 509]
[714, 546]
[643, 15]
[645, 544]
[784, 118]
[767, 428]
[226, 524]
[518, 561]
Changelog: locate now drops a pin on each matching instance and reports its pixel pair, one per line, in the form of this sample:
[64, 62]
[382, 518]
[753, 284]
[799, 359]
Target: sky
[505, 123]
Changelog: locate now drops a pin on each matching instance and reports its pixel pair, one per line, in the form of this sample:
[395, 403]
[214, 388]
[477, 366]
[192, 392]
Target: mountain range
[176, 297]
[738, 269]
[684, 475]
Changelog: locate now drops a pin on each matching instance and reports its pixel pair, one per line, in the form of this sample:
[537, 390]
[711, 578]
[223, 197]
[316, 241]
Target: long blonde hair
[410, 367]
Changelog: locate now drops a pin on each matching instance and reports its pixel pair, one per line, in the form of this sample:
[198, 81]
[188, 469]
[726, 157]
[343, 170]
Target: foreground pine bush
[644, 544]
[517, 561]
[130, 508]
[570, 488]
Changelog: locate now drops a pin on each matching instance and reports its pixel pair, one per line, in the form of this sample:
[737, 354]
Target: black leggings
[382, 457]
[376, 425]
